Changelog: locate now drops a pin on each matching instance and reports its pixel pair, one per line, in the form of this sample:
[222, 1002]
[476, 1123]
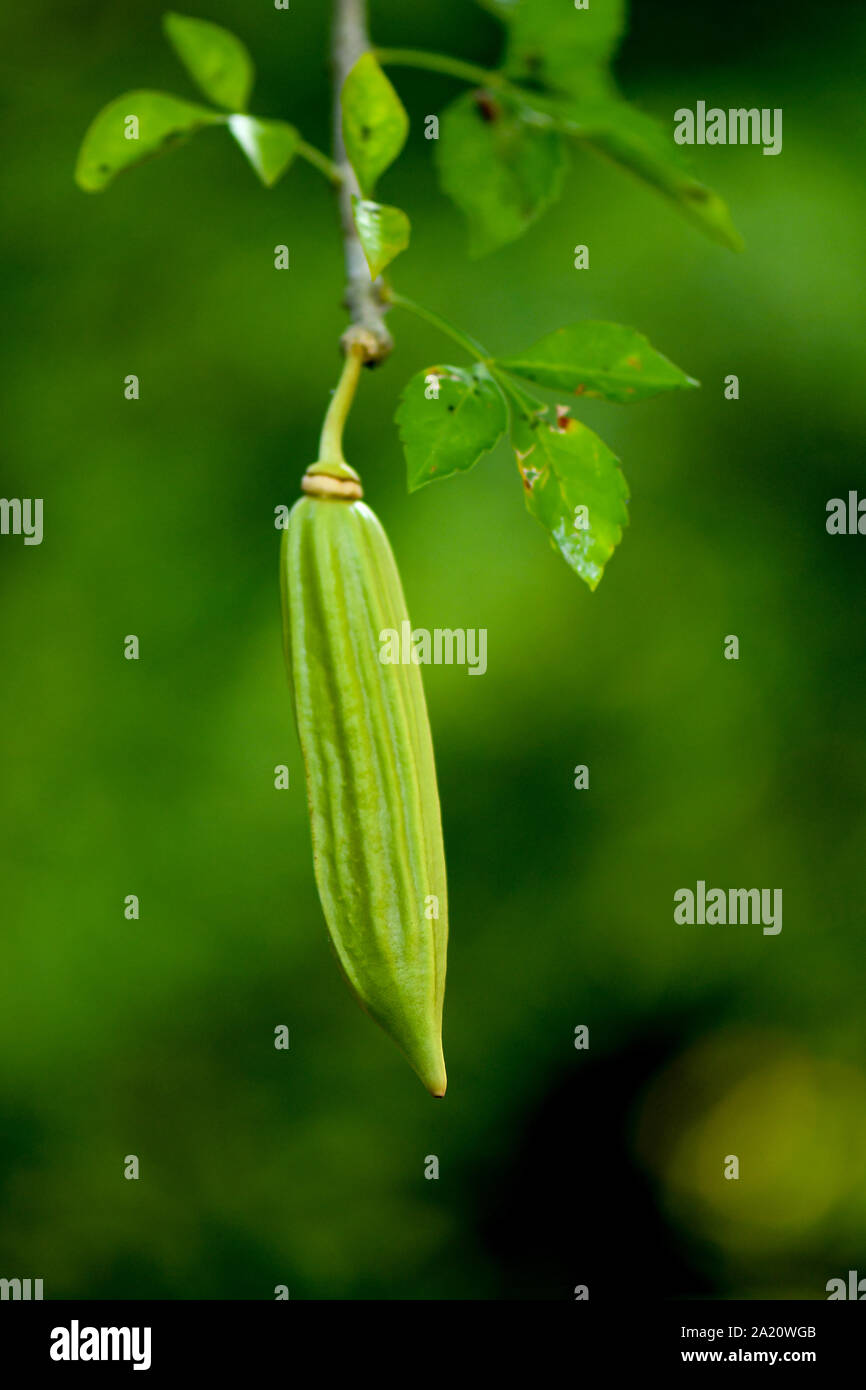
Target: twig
[363, 296]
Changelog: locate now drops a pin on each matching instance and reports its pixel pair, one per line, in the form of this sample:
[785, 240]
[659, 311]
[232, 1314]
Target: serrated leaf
[553, 44]
[375, 124]
[270, 146]
[604, 360]
[215, 59]
[500, 166]
[382, 231]
[448, 433]
[573, 486]
[162, 122]
[641, 145]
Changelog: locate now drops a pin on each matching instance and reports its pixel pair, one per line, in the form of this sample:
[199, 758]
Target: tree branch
[363, 296]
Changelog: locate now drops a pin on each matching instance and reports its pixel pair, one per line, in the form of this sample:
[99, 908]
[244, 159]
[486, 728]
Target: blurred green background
[155, 1037]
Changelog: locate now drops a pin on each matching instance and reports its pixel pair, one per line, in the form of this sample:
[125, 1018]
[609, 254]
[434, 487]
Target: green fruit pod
[371, 778]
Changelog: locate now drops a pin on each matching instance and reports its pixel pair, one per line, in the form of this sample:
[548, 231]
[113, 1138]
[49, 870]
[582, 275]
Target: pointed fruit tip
[435, 1081]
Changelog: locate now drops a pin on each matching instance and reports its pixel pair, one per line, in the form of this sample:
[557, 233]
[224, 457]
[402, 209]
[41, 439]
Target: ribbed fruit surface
[371, 778]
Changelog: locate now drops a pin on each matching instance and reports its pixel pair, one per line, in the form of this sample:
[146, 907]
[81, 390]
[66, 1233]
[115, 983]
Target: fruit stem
[331, 441]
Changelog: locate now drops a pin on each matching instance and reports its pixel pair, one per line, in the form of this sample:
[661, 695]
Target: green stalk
[442, 63]
[331, 459]
[470, 345]
[543, 105]
[319, 161]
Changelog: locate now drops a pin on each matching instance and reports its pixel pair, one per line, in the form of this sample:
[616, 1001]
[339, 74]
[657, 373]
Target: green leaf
[642, 146]
[599, 359]
[270, 146]
[502, 167]
[555, 45]
[565, 469]
[448, 433]
[162, 122]
[383, 232]
[375, 124]
[217, 62]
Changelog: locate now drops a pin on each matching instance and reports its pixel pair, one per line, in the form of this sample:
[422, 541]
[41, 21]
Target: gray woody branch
[363, 297]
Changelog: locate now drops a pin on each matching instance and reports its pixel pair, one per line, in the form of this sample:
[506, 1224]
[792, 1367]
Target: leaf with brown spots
[604, 360]
[572, 485]
[447, 432]
[502, 167]
[163, 122]
[375, 124]
[641, 145]
[556, 45]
